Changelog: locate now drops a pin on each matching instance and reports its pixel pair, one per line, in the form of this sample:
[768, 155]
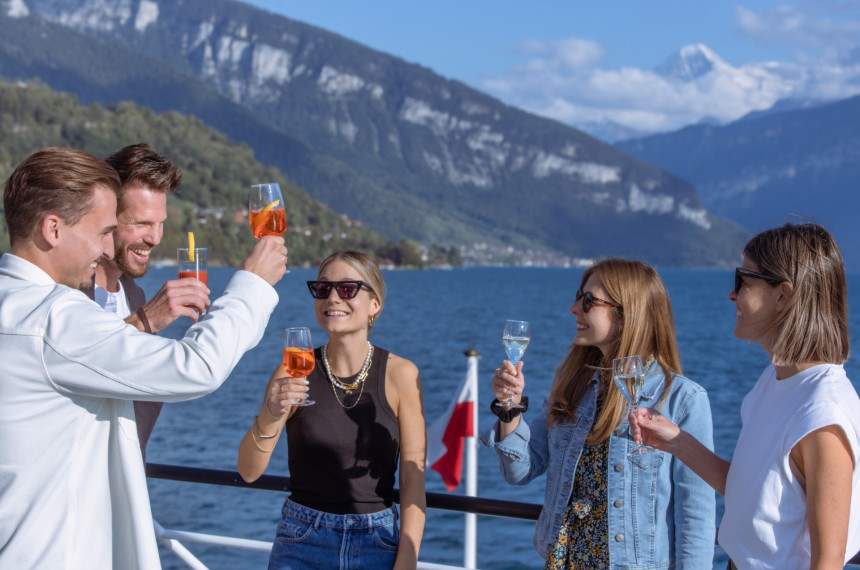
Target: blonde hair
[367, 268]
[645, 327]
[814, 326]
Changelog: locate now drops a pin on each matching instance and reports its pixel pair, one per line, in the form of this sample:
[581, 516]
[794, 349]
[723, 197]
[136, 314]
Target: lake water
[431, 317]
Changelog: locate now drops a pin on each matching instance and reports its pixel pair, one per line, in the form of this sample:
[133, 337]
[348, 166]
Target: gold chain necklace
[362, 375]
[339, 401]
[348, 388]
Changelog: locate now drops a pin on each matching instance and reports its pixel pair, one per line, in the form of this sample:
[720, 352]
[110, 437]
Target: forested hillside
[212, 199]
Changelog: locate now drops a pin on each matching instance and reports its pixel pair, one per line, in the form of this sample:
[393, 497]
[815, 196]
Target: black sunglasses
[740, 273]
[589, 300]
[345, 289]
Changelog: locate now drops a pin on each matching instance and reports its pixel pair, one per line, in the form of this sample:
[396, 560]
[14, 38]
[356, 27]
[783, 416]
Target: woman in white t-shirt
[792, 489]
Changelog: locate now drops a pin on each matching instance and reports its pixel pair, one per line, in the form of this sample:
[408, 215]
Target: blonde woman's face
[597, 327]
[342, 316]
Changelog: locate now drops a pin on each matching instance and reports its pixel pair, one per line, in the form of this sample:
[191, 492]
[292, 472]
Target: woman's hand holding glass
[508, 382]
[299, 361]
[650, 427]
[284, 393]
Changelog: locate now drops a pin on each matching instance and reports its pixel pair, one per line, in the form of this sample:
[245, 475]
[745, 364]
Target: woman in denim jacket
[603, 508]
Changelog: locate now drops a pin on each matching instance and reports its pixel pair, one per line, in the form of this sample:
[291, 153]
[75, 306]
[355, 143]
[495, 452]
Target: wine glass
[298, 356]
[515, 337]
[266, 212]
[629, 376]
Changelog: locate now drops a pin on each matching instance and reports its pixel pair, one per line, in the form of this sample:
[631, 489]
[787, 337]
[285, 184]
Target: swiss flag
[445, 436]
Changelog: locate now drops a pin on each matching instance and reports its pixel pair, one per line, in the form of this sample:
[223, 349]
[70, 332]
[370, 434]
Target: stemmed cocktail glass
[629, 376]
[298, 356]
[266, 212]
[515, 337]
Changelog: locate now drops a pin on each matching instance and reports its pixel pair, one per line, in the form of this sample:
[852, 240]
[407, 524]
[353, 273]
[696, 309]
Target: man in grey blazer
[147, 178]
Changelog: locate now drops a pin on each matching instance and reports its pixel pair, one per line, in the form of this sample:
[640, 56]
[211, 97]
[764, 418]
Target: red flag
[445, 437]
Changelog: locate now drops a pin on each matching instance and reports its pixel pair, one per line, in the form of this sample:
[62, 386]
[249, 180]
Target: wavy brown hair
[645, 327]
[139, 165]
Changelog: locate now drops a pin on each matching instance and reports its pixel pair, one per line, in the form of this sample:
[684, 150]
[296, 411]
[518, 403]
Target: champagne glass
[629, 376]
[266, 212]
[298, 356]
[515, 337]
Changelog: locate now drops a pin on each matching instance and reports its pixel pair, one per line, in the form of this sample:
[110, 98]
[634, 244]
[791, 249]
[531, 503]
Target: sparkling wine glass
[515, 337]
[266, 212]
[298, 356]
[629, 376]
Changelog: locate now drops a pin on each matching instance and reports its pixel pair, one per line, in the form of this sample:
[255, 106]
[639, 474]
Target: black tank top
[343, 459]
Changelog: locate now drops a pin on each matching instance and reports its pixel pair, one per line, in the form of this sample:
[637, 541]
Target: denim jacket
[661, 514]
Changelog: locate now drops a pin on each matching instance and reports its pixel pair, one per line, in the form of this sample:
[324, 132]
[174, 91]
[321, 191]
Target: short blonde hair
[814, 327]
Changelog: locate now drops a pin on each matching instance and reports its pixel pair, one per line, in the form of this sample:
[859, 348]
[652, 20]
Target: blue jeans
[308, 539]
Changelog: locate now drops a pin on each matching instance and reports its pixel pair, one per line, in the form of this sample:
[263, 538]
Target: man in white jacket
[72, 486]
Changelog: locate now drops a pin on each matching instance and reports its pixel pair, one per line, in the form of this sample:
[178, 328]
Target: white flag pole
[470, 535]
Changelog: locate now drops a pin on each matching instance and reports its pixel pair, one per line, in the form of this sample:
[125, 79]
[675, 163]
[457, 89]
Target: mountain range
[792, 163]
[390, 144]
[696, 73]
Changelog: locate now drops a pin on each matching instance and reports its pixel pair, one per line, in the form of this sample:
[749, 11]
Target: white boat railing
[173, 540]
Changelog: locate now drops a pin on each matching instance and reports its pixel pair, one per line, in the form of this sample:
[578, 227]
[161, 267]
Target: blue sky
[582, 62]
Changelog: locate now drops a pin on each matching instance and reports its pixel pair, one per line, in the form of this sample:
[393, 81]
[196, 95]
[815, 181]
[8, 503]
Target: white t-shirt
[116, 303]
[765, 524]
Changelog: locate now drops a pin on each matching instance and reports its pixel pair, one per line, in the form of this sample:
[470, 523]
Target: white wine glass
[629, 375]
[298, 356]
[515, 337]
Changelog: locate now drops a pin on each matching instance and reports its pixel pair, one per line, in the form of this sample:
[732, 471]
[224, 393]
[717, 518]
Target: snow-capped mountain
[692, 86]
[690, 63]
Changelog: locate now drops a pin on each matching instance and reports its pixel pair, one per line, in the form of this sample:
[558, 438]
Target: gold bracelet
[260, 433]
[254, 433]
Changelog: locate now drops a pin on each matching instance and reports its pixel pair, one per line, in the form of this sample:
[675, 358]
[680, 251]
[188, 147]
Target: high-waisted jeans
[308, 539]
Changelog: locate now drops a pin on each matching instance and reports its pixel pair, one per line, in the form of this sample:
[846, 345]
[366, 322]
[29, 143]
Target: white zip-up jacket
[72, 483]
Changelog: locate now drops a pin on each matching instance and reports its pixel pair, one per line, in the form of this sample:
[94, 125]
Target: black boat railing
[441, 501]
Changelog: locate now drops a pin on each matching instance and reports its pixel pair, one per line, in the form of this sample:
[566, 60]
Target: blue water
[431, 317]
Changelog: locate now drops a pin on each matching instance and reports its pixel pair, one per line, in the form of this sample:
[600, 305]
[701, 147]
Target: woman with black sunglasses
[604, 508]
[792, 488]
[345, 449]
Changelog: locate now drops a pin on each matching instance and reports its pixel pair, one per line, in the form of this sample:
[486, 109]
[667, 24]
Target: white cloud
[571, 54]
[829, 27]
[563, 79]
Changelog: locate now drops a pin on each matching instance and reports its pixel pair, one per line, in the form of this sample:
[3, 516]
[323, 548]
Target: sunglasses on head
[589, 300]
[345, 289]
[740, 273]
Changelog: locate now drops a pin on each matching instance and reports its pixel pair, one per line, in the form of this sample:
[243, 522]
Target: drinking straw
[191, 246]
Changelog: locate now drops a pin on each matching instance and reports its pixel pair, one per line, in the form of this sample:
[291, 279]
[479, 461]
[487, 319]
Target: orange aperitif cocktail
[298, 362]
